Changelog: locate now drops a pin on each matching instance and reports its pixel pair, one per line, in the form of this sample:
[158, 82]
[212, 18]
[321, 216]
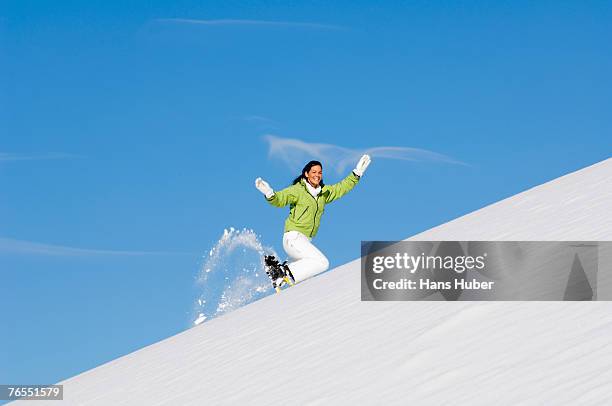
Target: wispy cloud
[8, 157]
[12, 246]
[295, 153]
[237, 22]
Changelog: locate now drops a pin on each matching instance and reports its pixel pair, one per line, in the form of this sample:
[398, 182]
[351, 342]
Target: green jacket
[306, 210]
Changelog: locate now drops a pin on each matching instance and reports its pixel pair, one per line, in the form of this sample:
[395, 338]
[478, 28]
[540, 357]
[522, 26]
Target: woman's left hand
[362, 165]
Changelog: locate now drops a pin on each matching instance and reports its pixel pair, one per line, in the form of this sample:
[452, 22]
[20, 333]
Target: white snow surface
[318, 344]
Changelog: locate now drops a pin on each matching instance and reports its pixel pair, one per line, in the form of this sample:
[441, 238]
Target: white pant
[305, 259]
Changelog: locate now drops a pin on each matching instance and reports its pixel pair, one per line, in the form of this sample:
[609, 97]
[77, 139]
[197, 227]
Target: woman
[306, 198]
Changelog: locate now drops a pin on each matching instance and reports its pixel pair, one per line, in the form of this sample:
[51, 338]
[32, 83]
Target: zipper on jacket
[314, 222]
[302, 215]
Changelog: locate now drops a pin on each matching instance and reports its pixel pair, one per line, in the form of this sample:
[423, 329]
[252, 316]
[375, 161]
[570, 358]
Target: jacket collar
[313, 191]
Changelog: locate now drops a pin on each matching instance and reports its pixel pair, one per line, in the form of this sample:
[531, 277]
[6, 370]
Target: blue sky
[131, 135]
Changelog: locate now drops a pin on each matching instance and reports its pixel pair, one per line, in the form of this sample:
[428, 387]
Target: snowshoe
[288, 273]
[278, 273]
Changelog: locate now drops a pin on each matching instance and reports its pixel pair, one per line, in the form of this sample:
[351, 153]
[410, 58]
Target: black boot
[274, 270]
[287, 271]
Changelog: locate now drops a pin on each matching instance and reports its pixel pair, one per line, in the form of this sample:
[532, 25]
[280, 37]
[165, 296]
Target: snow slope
[317, 343]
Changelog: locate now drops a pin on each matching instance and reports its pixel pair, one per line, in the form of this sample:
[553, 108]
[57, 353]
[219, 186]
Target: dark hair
[307, 168]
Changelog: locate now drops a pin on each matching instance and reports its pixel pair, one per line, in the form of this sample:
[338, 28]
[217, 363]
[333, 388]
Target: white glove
[362, 165]
[264, 188]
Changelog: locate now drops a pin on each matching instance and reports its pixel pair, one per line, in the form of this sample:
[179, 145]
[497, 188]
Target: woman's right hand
[264, 188]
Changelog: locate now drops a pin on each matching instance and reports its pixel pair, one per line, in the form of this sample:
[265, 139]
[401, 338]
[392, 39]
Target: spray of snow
[233, 275]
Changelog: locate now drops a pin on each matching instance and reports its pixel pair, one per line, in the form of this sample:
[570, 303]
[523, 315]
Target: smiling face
[314, 176]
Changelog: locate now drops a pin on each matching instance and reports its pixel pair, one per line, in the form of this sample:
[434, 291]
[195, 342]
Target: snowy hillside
[317, 343]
